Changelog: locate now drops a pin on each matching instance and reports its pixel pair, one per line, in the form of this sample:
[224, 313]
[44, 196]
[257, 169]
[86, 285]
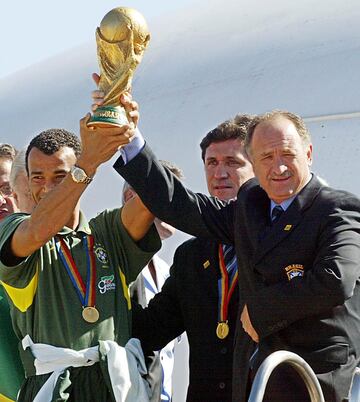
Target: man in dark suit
[199, 297]
[299, 269]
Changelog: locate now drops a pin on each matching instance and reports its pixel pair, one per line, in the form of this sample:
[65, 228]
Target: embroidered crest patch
[101, 255]
[294, 270]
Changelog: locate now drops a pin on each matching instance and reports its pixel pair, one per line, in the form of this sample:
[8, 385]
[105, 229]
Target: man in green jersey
[67, 278]
[11, 372]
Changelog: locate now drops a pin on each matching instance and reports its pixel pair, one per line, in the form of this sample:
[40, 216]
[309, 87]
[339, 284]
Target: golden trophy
[121, 40]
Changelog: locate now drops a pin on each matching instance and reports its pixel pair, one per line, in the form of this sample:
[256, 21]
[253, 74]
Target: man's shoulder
[105, 215]
[250, 189]
[106, 222]
[334, 198]
[196, 242]
[9, 224]
[14, 219]
[192, 251]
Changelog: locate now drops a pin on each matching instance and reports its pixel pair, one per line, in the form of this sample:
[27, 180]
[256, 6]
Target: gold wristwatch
[79, 175]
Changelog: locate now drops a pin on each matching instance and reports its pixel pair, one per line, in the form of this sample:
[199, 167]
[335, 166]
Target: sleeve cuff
[129, 151]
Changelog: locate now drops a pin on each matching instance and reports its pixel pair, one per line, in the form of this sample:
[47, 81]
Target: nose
[220, 172]
[279, 167]
[2, 199]
[47, 186]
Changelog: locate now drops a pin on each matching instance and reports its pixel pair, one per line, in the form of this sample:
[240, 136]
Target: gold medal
[222, 329]
[90, 314]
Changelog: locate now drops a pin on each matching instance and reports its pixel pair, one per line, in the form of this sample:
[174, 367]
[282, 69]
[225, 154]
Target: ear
[309, 154]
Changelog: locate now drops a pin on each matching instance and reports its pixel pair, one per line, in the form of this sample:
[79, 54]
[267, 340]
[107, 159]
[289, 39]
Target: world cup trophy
[121, 40]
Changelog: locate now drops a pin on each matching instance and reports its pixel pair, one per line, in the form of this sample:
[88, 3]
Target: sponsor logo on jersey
[106, 283]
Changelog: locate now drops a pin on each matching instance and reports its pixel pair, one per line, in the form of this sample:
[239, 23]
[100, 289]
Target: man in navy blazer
[299, 269]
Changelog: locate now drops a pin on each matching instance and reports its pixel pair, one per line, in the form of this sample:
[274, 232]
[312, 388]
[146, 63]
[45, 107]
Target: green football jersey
[43, 301]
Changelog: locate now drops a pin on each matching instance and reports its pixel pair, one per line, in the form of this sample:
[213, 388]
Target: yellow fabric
[3, 398]
[125, 289]
[22, 298]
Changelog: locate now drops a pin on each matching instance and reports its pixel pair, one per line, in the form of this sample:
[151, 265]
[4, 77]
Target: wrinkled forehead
[278, 129]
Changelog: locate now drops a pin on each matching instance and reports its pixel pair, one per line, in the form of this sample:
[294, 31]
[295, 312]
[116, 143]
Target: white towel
[126, 365]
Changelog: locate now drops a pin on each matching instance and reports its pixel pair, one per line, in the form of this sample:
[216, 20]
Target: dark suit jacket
[188, 302]
[316, 315]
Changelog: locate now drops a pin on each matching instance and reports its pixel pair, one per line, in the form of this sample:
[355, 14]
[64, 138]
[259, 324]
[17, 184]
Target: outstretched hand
[100, 143]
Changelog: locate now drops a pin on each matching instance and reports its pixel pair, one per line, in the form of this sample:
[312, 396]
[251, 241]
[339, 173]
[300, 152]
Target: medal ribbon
[86, 293]
[226, 286]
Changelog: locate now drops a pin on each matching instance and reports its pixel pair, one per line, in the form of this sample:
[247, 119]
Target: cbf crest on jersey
[101, 254]
[294, 270]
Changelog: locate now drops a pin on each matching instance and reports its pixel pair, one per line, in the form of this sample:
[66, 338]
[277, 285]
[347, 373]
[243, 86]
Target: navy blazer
[299, 278]
[188, 302]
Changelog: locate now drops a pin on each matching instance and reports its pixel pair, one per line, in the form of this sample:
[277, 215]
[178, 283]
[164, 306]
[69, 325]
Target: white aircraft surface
[212, 61]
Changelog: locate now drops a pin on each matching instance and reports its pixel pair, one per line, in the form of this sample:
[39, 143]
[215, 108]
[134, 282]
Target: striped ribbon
[228, 280]
[86, 293]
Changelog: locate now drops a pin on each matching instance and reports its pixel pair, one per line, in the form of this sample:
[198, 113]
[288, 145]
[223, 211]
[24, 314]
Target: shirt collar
[284, 205]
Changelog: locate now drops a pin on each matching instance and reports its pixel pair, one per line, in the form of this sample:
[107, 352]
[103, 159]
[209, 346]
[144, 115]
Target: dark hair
[7, 151]
[51, 141]
[235, 128]
[273, 115]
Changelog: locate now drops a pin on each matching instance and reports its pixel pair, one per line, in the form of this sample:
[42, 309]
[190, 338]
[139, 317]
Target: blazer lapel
[289, 219]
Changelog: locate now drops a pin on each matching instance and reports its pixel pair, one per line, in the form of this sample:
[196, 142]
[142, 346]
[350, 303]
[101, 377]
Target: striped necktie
[230, 259]
[276, 213]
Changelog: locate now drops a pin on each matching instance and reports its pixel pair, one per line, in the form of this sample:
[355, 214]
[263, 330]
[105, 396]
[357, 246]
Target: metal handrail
[298, 363]
[355, 388]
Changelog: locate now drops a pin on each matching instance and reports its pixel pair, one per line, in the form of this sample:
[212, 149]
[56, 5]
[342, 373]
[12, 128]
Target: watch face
[78, 174]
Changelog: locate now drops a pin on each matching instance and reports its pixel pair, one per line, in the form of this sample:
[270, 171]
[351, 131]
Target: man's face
[47, 171]
[280, 158]
[227, 168]
[23, 198]
[7, 202]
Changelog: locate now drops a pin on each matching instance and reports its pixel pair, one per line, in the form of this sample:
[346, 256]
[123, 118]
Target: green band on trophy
[109, 115]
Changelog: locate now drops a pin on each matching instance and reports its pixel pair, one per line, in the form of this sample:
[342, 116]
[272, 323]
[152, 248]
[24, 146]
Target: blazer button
[223, 351]
[222, 385]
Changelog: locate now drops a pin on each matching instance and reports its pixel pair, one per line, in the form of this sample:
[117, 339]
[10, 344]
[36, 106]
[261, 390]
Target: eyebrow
[41, 171]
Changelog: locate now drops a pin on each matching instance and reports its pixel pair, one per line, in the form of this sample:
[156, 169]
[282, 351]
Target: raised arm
[59, 205]
[136, 218]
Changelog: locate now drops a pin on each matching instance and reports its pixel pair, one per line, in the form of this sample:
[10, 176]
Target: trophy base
[109, 116]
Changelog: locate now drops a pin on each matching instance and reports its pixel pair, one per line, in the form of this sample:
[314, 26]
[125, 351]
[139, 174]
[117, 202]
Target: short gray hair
[17, 167]
[7, 151]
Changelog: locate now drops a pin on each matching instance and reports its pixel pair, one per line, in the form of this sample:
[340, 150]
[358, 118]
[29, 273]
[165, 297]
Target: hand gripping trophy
[121, 40]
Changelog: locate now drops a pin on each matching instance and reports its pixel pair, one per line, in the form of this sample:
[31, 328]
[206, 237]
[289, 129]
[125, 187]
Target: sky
[32, 31]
